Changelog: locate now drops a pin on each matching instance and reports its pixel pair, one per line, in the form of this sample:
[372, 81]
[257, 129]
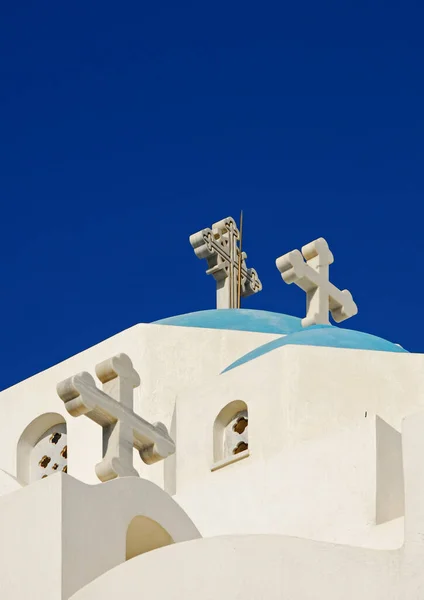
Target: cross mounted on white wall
[312, 276]
[219, 246]
[112, 408]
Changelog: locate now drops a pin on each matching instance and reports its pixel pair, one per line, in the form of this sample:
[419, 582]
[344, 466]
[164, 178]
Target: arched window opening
[50, 453]
[231, 433]
[42, 448]
[144, 535]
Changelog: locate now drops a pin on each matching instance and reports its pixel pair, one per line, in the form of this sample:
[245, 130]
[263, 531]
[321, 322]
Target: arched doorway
[143, 535]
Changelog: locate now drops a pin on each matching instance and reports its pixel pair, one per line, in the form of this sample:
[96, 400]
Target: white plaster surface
[390, 483]
[262, 566]
[312, 465]
[167, 358]
[58, 534]
[332, 484]
[275, 567]
[8, 483]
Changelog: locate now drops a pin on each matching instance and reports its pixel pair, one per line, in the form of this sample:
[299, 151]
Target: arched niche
[144, 535]
[42, 448]
[231, 433]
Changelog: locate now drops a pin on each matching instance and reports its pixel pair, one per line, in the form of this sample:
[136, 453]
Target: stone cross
[313, 277]
[112, 408]
[219, 246]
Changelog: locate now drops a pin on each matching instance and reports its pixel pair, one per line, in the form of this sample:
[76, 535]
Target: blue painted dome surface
[262, 321]
[241, 319]
[322, 335]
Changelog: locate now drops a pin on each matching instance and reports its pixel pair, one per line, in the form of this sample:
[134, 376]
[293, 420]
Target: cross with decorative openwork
[219, 246]
[112, 408]
[312, 276]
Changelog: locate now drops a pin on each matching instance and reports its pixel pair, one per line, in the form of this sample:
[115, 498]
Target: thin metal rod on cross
[240, 261]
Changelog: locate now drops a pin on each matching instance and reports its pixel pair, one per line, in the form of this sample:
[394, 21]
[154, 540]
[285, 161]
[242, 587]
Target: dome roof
[289, 327]
[322, 335]
[241, 319]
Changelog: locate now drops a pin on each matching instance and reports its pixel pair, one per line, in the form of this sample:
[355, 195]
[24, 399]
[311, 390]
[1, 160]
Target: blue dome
[322, 335]
[241, 319]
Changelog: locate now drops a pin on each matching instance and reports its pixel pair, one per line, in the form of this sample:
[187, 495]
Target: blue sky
[125, 127]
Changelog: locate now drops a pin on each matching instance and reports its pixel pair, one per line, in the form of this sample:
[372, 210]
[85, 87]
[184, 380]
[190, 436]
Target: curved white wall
[262, 566]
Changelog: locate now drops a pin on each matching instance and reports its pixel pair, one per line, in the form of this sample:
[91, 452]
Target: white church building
[231, 453]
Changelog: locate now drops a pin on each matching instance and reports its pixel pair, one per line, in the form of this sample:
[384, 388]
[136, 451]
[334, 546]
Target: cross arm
[208, 242]
[202, 243]
[119, 366]
[294, 269]
[342, 305]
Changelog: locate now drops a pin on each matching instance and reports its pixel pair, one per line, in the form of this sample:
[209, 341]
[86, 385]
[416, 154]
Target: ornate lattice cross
[112, 408]
[219, 246]
[313, 277]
